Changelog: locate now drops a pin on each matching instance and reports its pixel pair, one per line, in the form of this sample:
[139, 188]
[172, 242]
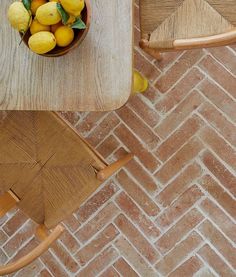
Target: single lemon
[36, 27]
[48, 14]
[73, 7]
[56, 26]
[64, 36]
[42, 42]
[35, 4]
[19, 17]
[54, 1]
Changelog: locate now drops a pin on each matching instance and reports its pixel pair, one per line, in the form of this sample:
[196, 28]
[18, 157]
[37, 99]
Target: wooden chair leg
[108, 171]
[150, 51]
[42, 232]
[7, 201]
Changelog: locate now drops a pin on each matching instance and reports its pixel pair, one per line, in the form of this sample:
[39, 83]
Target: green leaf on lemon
[78, 24]
[27, 4]
[64, 15]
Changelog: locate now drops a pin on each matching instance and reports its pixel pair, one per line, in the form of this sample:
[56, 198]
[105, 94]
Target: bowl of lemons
[51, 28]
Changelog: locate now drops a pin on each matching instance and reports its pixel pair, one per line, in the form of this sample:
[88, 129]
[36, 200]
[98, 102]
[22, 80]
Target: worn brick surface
[171, 211]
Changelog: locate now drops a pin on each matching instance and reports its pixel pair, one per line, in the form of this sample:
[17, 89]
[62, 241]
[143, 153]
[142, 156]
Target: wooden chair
[47, 170]
[169, 25]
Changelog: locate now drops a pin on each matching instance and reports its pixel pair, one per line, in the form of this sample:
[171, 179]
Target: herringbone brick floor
[172, 210]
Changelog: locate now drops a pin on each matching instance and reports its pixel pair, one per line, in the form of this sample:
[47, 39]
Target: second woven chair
[169, 25]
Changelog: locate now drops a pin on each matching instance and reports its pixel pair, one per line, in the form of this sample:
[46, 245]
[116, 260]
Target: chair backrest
[184, 24]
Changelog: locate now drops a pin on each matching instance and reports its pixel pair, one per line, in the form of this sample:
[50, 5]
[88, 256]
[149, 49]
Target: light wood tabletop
[96, 76]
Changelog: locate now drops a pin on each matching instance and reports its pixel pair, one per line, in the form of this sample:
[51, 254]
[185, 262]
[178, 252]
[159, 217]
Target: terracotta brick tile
[136, 216]
[134, 258]
[110, 272]
[124, 269]
[204, 272]
[136, 16]
[137, 239]
[139, 128]
[179, 91]
[147, 69]
[219, 194]
[14, 223]
[96, 201]
[3, 257]
[137, 194]
[188, 152]
[147, 113]
[219, 98]
[136, 36]
[219, 241]
[226, 178]
[220, 219]
[179, 207]
[72, 223]
[187, 60]
[179, 114]
[97, 244]
[31, 270]
[136, 147]
[71, 117]
[99, 263]
[188, 268]
[144, 179]
[89, 122]
[3, 237]
[219, 122]
[219, 74]
[69, 242]
[109, 145]
[65, 257]
[103, 129]
[224, 56]
[178, 254]
[219, 146]
[45, 273]
[152, 95]
[218, 265]
[179, 138]
[15, 242]
[179, 184]
[169, 239]
[96, 223]
[53, 265]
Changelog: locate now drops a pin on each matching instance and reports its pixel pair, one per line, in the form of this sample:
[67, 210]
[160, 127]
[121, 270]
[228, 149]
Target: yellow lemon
[73, 7]
[35, 4]
[19, 17]
[54, 1]
[64, 36]
[56, 26]
[42, 42]
[48, 14]
[36, 27]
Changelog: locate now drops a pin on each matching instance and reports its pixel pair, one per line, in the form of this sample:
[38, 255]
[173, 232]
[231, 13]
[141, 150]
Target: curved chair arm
[34, 254]
[210, 41]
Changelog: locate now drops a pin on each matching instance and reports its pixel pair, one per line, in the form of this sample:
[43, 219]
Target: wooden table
[95, 76]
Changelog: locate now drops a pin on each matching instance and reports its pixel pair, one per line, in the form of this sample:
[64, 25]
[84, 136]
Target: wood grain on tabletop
[95, 76]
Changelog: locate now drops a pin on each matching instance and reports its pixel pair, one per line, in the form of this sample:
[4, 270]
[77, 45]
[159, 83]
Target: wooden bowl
[79, 35]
